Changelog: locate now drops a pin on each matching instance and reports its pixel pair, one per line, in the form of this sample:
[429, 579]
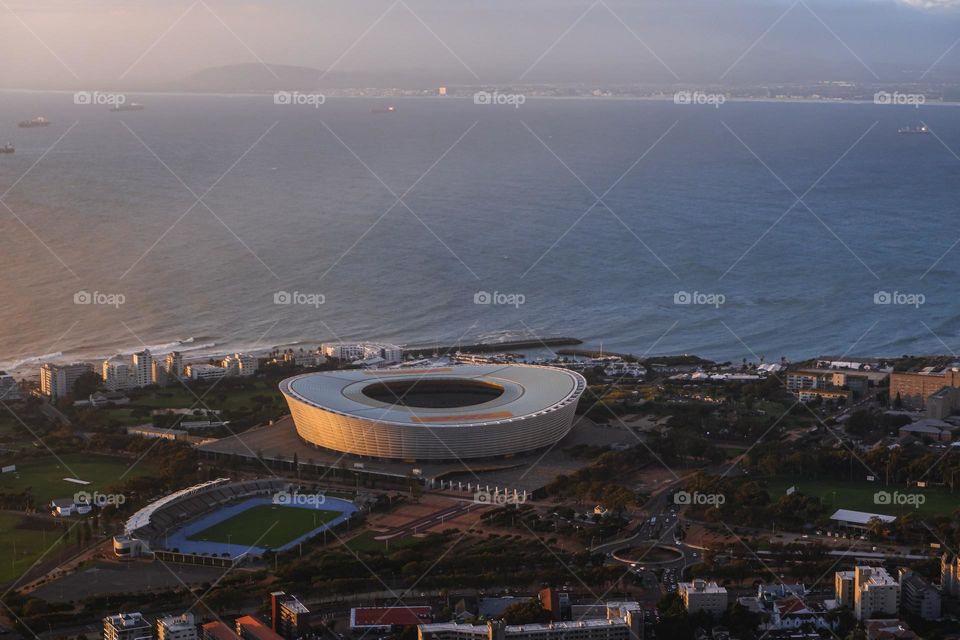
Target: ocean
[213, 224]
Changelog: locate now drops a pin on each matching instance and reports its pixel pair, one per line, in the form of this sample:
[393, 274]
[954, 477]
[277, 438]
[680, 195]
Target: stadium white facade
[444, 413]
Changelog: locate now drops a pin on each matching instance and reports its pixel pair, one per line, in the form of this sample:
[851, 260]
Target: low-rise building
[252, 628]
[624, 621]
[373, 619]
[205, 372]
[66, 507]
[127, 626]
[218, 630]
[930, 428]
[701, 595]
[858, 520]
[240, 364]
[885, 629]
[182, 627]
[351, 352]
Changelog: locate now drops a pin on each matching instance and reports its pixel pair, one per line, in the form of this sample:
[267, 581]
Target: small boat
[39, 121]
[921, 129]
[7, 148]
[390, 109]
[133, 106]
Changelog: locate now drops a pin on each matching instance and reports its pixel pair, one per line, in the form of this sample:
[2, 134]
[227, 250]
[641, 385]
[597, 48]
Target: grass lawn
[23, 541]
[266, 525]
[365, 543]
[45, 476]
[858, 496]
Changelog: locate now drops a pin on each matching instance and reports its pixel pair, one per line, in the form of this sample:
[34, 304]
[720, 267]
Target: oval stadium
[443, 413]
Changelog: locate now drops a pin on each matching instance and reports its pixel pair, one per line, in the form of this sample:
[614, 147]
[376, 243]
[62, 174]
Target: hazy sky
[136, 43]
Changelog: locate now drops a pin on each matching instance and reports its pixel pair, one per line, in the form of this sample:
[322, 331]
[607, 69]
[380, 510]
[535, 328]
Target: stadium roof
[526, 390]
[860, 517]
[142, 517]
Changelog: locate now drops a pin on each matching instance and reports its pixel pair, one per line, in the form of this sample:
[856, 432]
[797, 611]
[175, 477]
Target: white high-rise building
[57, 380]
[182, 627]
[173, 365]
[142, 370]
[874, 591]
[116, 375]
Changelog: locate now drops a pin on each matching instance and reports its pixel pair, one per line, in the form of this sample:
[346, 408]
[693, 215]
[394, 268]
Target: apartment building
[950, 575]
[182, 627]
[9, 390]
[914, 388]
[127, 626]
[142, 369]
[918, 596]
[875, 592]
[57, 380]
[289, 617]
[701, 595]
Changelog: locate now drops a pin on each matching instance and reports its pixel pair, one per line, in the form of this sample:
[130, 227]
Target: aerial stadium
[443, 413]
[221, 522]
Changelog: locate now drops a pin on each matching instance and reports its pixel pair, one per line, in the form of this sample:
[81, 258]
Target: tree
[86, 384]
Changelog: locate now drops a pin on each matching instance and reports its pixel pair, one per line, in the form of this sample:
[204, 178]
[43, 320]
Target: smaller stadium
[223, 522]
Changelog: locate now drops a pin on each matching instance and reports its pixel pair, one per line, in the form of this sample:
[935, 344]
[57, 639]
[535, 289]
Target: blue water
[497, 213]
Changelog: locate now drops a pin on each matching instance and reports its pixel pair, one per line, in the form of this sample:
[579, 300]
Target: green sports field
[266, 526]
[44, 476]
[858, 496]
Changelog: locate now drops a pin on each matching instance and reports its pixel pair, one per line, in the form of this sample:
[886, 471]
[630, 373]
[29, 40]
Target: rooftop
[389, 616]
[860, 517]
[508, 392]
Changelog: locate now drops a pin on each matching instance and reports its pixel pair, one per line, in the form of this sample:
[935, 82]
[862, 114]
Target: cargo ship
[390, 109]
[39, 121]
[921, 129]
[7, 148]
